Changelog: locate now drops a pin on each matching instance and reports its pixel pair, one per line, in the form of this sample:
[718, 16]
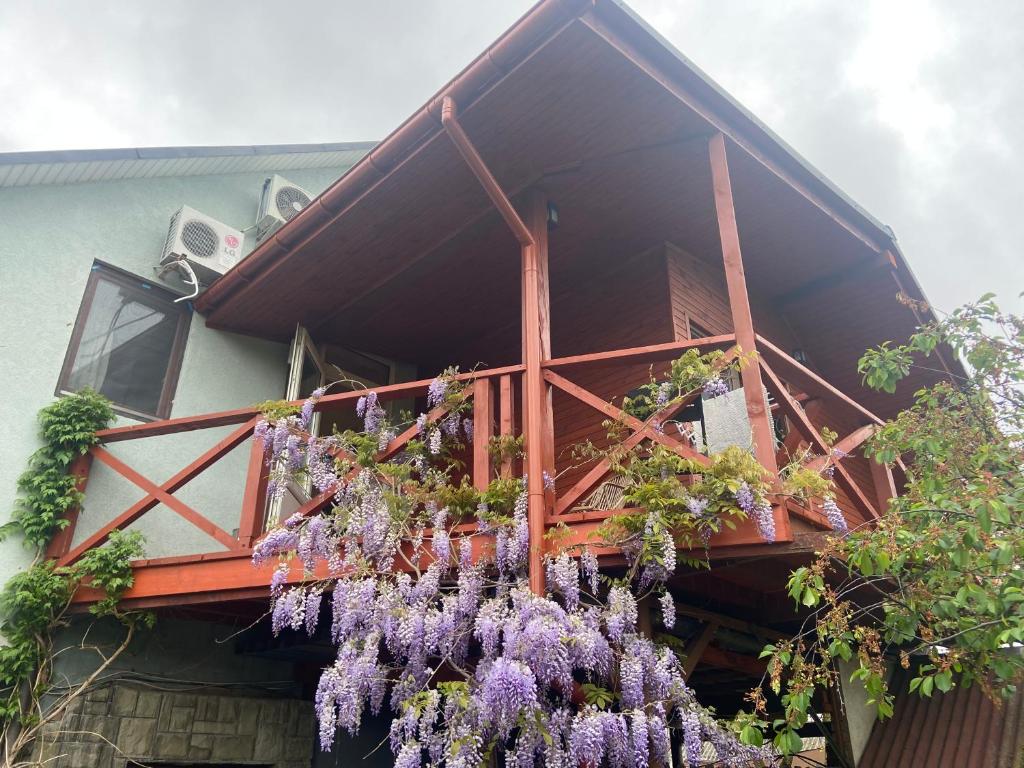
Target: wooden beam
[254, 500]
[729, 622]
[885, 485]
[649, 354]
[803, 423]
[737, 662]
[847, 445]
[809, 380]
[534, 267]
[155, 491]
[696, 647]
[506, 419]
[61, 541]
[179, 479]
[327, 403]
[739, 304]
[483, 429]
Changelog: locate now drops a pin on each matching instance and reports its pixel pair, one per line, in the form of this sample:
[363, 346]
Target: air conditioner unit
[210, 247]
[280, 202]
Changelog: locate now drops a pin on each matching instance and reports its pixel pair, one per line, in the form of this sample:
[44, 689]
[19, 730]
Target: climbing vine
[34, 603]
[47, 488]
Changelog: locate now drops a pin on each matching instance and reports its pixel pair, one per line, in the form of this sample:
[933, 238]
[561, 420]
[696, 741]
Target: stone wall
[112, 726]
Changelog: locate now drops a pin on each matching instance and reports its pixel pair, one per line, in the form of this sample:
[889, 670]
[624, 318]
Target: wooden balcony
[582, 391]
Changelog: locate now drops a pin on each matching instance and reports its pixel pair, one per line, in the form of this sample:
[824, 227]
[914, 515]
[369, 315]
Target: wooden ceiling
[421, 263]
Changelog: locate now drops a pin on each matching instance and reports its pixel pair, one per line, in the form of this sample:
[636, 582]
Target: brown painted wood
[808, 379]
[179, 479]
[534, 263]
[651, 353]
[799, 417]
[723, 659]
[61, 541]
[254, 500]
[847, 445]
[199, 521]
[696, 647]
[507, 418]
[739, 303]
[885, 485]
[483, 430]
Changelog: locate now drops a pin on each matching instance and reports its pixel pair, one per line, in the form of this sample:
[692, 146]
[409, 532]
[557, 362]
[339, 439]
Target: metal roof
[950, 730]
[21, 169]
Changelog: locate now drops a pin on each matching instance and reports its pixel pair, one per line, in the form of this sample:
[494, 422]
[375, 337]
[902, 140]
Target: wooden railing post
[739, 303]
[885, 485]
[60, 544]
[483, 429]
[536, 349]
[254, 502]
[506, 420]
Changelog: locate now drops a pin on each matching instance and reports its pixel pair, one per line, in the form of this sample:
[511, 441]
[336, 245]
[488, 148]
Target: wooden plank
[327, 403]
[254, 501]
[631, 421]
[651, 353]
[799, 417]
[483, 429]
[739, 303]
[506, 418]
[808, 379]
[723, 659]
[885, 485]
[641, 431]
[847, 445]
[199, 521]
[729, 622]
[534, 258]
[696, 647]
[61, 541]
[142, 506]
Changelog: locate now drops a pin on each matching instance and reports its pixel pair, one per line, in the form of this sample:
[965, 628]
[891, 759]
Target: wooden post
[60, 544]
[483, 428]
[254, 502]
[739, 303]
[885, 486]
[506, 419]
[536, 340]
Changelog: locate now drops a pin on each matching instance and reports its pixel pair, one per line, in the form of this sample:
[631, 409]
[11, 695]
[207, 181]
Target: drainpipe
[533, 380]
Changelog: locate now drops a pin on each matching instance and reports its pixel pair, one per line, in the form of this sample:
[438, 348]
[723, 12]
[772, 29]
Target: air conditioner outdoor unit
[280, 202]
[210, 247]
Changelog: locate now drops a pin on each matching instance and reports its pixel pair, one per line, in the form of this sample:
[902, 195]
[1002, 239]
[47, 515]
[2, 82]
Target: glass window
[127, 344]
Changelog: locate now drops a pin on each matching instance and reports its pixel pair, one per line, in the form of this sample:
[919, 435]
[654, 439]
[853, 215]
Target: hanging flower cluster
[429, 607]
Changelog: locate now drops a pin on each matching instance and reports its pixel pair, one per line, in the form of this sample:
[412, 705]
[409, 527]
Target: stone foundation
[113, 726]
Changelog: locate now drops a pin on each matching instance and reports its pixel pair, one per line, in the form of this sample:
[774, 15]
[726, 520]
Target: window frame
[102, 271]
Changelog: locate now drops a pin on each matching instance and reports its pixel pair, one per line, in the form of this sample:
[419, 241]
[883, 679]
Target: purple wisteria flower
[589, 568]
[508, 689]
[715, 388]
[765, 519]
[436, 392]
[668, 609]
[834, 515]
[691, 737]
[745, 498]
[306, 414]
[563, 577]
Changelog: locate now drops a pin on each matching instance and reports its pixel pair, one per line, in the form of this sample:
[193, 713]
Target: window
[127, 343]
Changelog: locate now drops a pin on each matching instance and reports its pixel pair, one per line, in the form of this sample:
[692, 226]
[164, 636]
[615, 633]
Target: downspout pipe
[476, 164]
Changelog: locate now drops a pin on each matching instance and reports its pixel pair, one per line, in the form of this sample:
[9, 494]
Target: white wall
[49, 238]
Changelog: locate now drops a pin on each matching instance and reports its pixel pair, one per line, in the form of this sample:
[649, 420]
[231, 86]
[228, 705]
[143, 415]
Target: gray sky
[913, 107]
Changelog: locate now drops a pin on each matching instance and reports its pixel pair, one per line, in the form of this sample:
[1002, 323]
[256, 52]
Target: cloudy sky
[914, 107]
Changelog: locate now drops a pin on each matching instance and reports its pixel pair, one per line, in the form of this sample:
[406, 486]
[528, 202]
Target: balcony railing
[581, 394]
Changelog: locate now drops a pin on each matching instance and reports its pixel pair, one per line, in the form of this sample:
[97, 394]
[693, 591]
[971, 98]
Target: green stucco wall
[49, 238]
